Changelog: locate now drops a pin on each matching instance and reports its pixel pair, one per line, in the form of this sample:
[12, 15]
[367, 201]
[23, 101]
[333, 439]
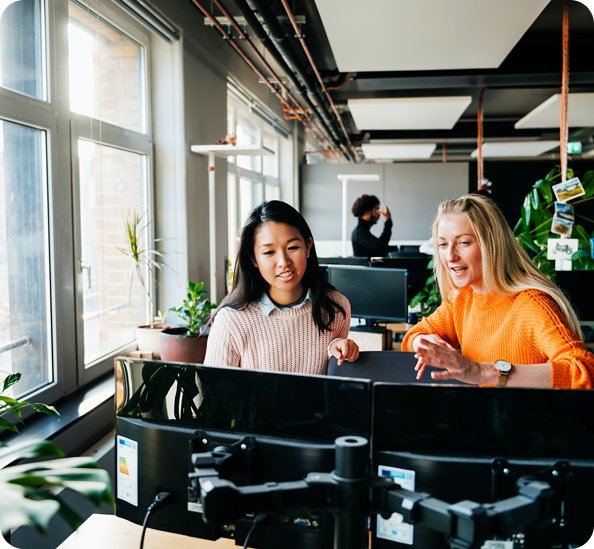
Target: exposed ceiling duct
[274, 40]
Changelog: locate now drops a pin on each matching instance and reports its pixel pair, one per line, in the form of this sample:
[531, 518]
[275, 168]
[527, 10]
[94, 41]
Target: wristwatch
[504, 368]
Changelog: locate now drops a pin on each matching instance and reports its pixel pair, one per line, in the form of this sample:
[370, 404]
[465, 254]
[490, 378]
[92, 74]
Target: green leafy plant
[145, 261]
[195, 309]
[31, 491]
[12, 406]
[533, 229]
[428, 298]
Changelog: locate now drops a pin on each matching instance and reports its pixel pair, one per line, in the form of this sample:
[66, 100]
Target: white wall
[412, 191]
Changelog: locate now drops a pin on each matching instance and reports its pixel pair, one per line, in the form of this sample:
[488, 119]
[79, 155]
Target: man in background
[367, 209]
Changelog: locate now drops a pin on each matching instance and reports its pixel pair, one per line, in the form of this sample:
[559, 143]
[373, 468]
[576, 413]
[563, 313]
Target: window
[112, 188]
[107, 84]
[75, 160]
[22, 47]
[251, 179]
[106, 71]
[25, 327]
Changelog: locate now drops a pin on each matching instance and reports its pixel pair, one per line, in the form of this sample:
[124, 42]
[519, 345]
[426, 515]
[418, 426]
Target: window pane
[22, 32]
[247, 135]
[112, 183]
[271, 161]
[272, 192]
[106, 75]
[24, 278]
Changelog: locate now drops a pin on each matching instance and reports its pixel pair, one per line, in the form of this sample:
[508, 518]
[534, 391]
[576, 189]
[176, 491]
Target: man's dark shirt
[367, 245]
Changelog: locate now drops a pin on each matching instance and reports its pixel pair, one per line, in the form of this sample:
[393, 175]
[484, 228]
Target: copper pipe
[259, 56]
[308, 122]
[298, 34]
[479, 120]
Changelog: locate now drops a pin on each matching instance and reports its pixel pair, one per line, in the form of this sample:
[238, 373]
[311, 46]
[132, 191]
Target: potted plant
[187, 343]
[145, 262]
[31, 491]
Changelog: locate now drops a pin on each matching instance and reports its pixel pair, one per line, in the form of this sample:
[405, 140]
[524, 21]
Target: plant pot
[176, 346]
[149, 339]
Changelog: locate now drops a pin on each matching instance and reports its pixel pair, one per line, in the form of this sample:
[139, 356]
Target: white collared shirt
[267, 305]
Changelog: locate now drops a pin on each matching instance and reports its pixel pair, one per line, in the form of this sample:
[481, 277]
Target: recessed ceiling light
[516, 148]
[424, 34]
[580, 112]
[408, 113]
[397, 151]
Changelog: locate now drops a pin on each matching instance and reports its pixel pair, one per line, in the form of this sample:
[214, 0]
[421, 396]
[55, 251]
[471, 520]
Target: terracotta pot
[149, 339]
[176, 346]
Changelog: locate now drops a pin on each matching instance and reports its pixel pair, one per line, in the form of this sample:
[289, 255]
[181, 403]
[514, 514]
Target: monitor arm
[467, 524]
[351, 493]
[344, 492]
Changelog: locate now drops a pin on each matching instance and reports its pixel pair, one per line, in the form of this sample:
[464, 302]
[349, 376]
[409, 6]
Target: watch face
[503, 366]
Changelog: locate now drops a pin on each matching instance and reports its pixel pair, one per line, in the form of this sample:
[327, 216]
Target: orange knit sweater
[286, 341]
[524, 328]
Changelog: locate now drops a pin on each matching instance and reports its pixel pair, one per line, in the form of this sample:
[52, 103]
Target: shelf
[232, 150]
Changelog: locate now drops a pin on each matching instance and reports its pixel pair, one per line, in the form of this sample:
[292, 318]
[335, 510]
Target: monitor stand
[369, 326]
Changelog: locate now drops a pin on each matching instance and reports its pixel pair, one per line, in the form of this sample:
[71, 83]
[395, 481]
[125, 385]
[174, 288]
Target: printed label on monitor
[394, 528]
[127, 470]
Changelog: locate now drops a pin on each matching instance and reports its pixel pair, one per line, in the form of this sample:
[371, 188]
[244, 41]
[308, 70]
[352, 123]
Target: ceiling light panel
[408, 113]
[580, 112]
[397, 151]
[390, 35]
[516, 148]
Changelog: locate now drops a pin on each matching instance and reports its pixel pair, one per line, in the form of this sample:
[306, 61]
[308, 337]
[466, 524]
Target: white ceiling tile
[404, 35]
[580, 112]
[397, 151]
[408, 113]
[515, 148]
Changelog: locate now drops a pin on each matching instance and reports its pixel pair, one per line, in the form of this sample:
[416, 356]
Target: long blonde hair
[507, 268]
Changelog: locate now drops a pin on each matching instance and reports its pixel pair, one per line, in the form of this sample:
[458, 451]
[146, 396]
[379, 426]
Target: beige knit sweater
[286, 341]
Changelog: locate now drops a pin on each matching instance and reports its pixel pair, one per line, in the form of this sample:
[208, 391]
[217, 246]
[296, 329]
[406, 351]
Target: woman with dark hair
[280, 314]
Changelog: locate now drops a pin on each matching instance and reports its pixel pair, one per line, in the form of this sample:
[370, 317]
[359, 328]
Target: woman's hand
[344, 349]
[430, 349]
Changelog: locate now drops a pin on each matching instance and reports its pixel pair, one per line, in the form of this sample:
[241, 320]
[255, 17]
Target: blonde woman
[501, 321]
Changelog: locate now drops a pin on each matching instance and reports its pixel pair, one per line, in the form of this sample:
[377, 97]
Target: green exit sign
[574, 147]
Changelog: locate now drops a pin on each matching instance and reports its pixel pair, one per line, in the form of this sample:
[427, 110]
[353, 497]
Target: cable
[257, 520]
[162, 498]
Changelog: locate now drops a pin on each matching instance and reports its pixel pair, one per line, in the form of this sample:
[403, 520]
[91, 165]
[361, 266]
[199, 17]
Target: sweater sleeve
[222, 348]
[440, 322]
[342, 323]
[572, 365]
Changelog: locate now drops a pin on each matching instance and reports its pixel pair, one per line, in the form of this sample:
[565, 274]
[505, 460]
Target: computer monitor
[376, 294]
[349, 260]
[465, 443]
[416, 267]
[167, 412]
[578, 285]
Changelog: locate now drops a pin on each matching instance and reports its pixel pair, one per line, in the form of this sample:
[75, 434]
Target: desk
[102, 531]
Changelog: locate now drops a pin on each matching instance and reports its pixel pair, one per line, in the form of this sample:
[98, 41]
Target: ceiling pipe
[301, 39]
[307, 122]
[279, 40]
[263, 37]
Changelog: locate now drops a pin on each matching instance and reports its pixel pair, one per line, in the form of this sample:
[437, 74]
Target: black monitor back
[465, 443]
[416, 268]
[389, 366]
[169, 411]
